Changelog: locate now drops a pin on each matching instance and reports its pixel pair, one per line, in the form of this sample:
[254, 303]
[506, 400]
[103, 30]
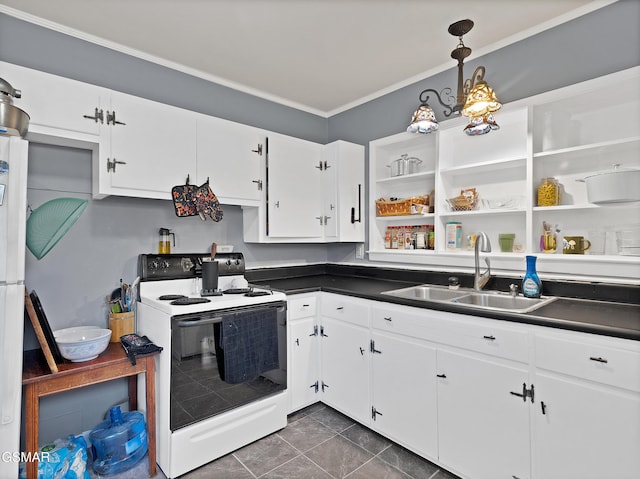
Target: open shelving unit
[567, 134]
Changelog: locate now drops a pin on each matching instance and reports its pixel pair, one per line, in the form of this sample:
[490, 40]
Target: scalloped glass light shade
[481, 101]
[423, 121]
[48, 223]
[481, 125]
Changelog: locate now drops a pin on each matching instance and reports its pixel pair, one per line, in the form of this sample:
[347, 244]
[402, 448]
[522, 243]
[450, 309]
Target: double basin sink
[486, 300]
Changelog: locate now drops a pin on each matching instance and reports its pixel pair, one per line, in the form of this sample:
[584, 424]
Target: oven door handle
[199, 322]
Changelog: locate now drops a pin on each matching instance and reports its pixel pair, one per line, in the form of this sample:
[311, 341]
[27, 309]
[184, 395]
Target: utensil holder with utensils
[121, 324]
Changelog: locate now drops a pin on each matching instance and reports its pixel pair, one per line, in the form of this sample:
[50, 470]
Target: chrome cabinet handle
[259, 183]
[111, 164]
[599, 360]
[97, 116]
[111, 118]
[258, 150]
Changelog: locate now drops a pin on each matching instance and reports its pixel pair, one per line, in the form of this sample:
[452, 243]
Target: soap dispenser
[531, 284]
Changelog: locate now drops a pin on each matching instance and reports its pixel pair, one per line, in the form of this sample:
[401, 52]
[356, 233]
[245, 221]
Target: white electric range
[221, 379]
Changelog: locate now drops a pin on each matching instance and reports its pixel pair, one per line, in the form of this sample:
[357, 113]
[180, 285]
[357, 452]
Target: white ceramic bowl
[82, 343]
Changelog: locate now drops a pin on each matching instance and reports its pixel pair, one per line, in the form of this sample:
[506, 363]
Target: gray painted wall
[113, 231]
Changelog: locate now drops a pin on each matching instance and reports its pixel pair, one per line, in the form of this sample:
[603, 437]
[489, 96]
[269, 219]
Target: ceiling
[321, 56]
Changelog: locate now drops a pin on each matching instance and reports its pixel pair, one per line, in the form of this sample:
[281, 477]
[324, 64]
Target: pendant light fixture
[474, 98]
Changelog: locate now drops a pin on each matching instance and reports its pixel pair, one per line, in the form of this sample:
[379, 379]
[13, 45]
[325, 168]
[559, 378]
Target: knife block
[121, 324]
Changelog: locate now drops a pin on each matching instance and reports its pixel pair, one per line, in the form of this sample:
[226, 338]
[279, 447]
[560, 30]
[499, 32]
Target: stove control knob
[165, 264]
[237, 262]
[228, 262]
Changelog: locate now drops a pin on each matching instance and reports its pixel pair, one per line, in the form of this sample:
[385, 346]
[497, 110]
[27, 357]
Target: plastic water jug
[119, 442]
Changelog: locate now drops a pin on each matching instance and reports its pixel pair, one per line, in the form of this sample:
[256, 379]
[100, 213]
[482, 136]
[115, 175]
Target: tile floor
[318, 443]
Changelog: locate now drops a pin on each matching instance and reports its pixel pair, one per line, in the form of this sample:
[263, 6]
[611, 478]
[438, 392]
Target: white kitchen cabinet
[151, 148]
[483, 427]
[343, 192]
[404, 393]
[294, 195]
[232, 157]
[57, 106]
[587, 411]
[304, 352]
[140, 147]
[344, 349]
[566, 134]
[312, 193]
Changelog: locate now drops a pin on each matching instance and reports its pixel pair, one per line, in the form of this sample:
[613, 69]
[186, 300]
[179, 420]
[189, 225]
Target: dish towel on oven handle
[249, 345]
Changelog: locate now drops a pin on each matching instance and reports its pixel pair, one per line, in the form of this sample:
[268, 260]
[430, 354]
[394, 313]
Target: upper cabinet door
[232, 156]
[152, 144]
[343, 178]
[57, 106]
[294, 202]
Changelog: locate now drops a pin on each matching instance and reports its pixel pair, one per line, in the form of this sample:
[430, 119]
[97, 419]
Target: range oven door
[224, 359]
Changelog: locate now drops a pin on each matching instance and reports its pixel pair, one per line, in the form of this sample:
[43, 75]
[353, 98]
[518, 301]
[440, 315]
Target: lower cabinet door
[483, 429]
[585, 430]
[404, 392]
[345, 368]
[304, 361]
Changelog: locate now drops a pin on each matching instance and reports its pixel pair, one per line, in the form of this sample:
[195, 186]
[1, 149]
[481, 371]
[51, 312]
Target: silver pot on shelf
[405, 165]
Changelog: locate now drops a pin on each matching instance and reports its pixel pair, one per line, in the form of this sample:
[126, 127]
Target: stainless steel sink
[493, 301]
[427, 293]
[502, 302]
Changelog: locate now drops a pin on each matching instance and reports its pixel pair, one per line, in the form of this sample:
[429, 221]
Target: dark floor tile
[226, 467]
[266, 454]
[377, 469]
[366, 438]
[338, 456]
[306, 433]
[332, 419]
[408, 462]
[298, 468]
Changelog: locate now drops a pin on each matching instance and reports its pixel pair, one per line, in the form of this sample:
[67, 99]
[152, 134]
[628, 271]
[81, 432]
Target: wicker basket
[466, 201]
[399, 207]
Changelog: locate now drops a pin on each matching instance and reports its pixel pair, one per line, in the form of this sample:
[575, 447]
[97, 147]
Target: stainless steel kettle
[13, 120]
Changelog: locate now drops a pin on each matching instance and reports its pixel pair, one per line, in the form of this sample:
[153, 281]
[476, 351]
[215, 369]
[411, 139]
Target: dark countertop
[618, 319]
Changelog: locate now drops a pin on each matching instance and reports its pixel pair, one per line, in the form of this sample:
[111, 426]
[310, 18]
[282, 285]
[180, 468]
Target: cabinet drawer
[352, 310]
[302, 307]
[413, 322]
[489, 336]
[473, 333]
[593, 360]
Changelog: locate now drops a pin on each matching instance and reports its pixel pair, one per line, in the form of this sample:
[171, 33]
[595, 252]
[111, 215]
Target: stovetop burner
[171, 297]
[252, 294]
[211, 292]
[237, 290]
[187, 301]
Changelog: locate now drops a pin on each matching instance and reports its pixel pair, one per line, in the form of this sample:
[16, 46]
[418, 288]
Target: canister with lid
[549, 192]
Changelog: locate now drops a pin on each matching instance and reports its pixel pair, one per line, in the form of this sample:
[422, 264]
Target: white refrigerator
[13, 210]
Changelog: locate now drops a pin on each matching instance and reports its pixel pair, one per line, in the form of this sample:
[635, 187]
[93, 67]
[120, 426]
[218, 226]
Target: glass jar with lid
[549, 192]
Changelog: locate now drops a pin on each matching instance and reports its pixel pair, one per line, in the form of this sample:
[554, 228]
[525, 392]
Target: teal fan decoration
[48, 223]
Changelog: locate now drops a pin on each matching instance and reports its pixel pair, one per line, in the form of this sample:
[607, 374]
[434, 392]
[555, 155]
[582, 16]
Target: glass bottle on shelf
[549, 192]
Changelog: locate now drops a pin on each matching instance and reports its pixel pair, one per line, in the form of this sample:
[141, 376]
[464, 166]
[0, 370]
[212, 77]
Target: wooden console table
[38, 381]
